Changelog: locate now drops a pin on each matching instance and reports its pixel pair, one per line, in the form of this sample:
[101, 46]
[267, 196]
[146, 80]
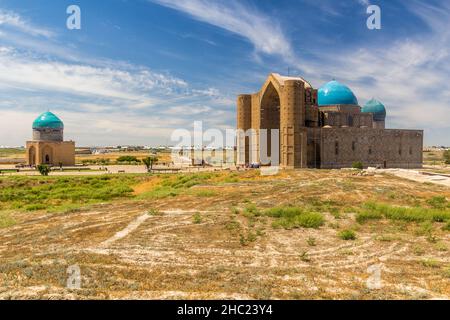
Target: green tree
[149, 161]
[128, 159]
[43, 169]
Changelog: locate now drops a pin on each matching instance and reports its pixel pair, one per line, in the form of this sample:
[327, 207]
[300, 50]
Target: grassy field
[62, 193]
[307, 234]
[11, 155]
[12, 152]
[434, 157]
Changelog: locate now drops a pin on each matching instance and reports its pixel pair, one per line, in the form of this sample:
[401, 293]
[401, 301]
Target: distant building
[324, 128]
[48, 145]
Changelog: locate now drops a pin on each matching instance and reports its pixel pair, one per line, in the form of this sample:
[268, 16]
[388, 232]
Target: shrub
[294, 217]
[310, 220]
[235, 210]
[284, 212]
[251, 211]
[430, 263]
[311, 241]
[363, 216]
[232, 225]
[415, 214]
[347, 235]
[154, 212]
[305, 257]
[358, 165]
[206, 193]
[441, 247]
[197, 218]
[6, 220]
[43, 169]
[244, 240]
[35, 207]
[447, 272]
[446, 227]
[438, 202]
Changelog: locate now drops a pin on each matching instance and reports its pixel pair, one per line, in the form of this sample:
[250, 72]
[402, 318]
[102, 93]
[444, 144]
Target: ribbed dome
[48, 120]
[333, 93]
[377, 108]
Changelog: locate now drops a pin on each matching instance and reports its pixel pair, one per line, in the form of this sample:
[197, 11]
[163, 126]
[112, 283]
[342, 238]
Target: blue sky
[138, 69]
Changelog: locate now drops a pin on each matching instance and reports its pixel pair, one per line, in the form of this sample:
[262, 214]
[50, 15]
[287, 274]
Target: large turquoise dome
[48, 120]
[333, 93]
[377, 108]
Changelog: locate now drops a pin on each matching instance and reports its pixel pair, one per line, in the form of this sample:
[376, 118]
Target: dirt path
[129, 228]
[418, 176]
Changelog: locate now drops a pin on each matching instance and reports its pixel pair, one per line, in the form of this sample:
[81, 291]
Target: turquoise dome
[377, 108]
[333, 93]
[48, 120]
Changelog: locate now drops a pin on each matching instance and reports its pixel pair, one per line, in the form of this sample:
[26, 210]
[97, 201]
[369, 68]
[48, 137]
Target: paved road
[98, 170]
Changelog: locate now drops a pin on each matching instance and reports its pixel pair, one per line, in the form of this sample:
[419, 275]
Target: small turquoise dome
[377, 108]
[48, 120]
[334, 92]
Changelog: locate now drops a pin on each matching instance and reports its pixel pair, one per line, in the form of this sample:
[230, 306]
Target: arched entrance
[47, 155]
[270, 120]
[278, 107]
[32, 156]
[314, 154]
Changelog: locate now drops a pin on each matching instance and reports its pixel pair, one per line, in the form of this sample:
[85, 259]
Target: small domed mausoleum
[48, 145]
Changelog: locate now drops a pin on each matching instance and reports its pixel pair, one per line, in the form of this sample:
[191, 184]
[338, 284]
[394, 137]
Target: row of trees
[148, 162]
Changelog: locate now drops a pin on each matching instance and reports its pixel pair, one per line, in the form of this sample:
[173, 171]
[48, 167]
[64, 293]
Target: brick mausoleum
[324, 128]
[48, 145]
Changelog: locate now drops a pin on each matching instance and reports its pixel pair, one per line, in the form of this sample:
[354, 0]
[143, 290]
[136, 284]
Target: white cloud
[126, 105]
[136, 88]
[130, 104]
[101, 101]
[410, 75]
[95, 129]
[179, 111]
[263, 32]
[364, 2]
[402, 73]
[15, 21]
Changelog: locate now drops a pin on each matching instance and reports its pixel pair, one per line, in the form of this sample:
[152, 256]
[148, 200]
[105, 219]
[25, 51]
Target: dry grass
[163, 157]
[224, 246]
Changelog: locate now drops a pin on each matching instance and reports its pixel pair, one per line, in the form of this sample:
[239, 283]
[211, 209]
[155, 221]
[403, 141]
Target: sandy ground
[416, 175]
[125, 253]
